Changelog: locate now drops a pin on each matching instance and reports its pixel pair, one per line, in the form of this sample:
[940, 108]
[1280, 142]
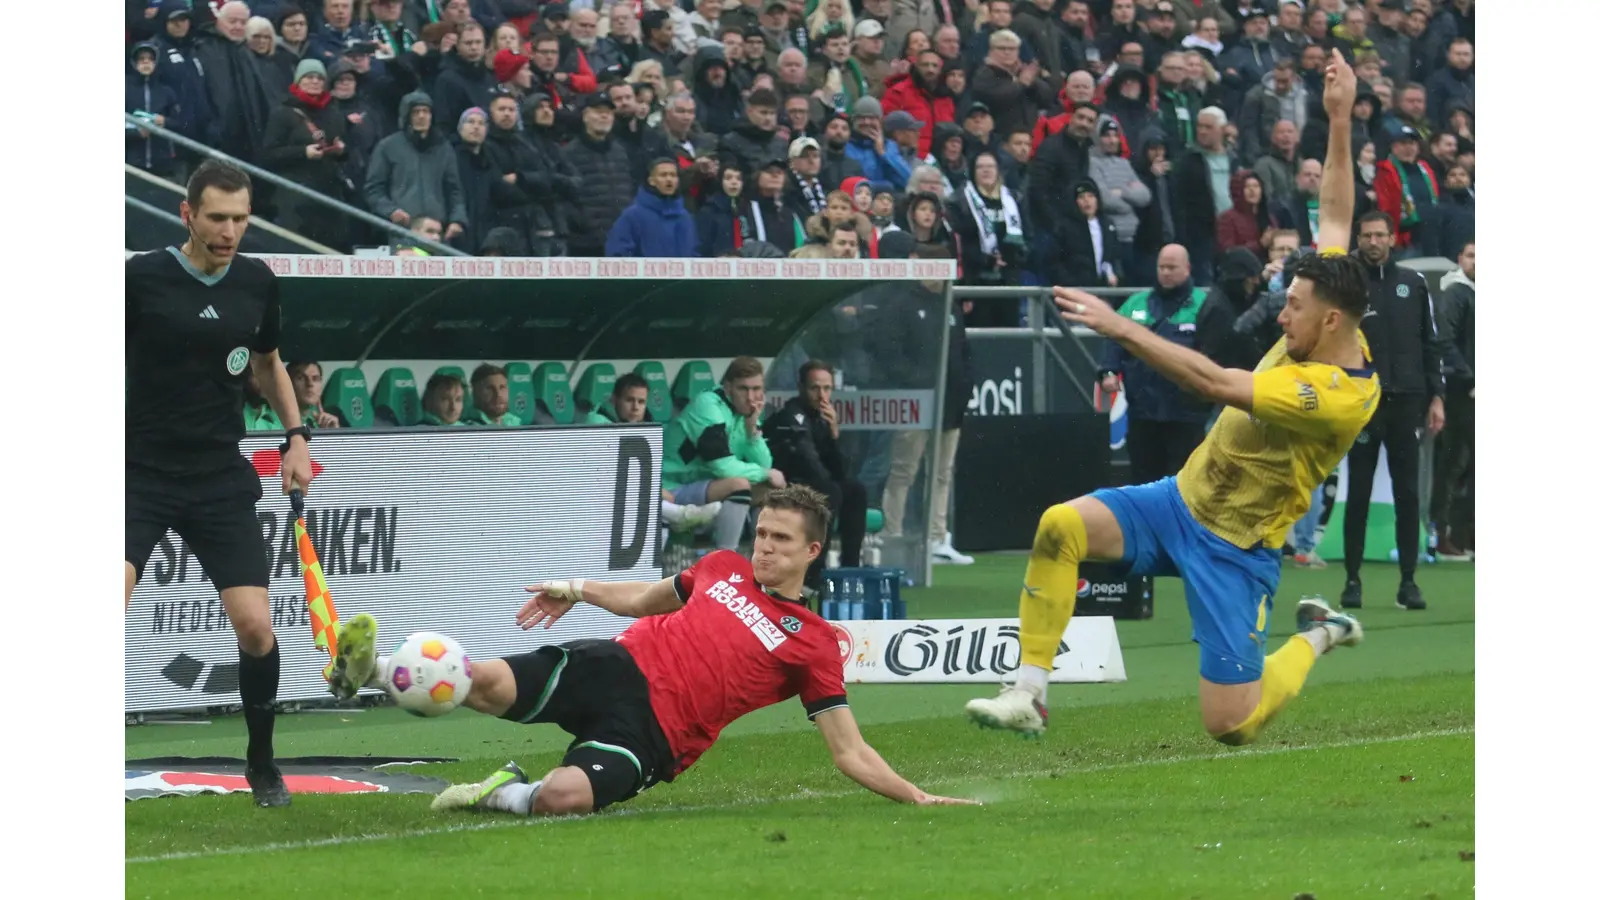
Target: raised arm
[857, 759]
[634, 599]
[1338, 200]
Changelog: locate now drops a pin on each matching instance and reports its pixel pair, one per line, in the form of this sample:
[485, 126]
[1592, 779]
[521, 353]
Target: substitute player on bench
[722, 639]
[197, 317]
[1220, 524]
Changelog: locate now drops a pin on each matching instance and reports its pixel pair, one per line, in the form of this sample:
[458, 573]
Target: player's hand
[1338, 88]
[1111, 384]
[1436, 415]
[776, 479]
[325, 419]
[400, 217]
[297, 466]
[1084, 308]
[550, 602]
[924, 798]
[832, 418]
[453, 231]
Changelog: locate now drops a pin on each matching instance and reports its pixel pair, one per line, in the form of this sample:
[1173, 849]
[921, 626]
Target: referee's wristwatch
[302, 430]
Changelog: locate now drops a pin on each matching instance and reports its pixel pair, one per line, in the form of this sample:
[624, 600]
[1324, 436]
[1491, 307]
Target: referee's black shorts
[214, 513]
[594, 690]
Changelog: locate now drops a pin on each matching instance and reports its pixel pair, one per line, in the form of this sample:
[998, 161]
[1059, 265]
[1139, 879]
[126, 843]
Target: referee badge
[1403, 291]
[238, 359]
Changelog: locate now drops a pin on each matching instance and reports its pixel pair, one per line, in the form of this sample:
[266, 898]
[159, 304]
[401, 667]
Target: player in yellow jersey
[1221, 524]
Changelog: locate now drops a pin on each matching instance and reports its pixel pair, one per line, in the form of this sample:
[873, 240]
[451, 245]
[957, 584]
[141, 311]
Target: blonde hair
[819, 21]
[810, 251]
[642, 67]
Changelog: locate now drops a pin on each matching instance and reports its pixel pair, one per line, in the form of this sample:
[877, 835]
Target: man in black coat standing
[1407, 356]
[804, 438]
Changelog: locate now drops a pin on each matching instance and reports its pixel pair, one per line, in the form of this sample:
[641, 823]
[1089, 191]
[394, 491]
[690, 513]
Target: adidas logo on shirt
[210, 312]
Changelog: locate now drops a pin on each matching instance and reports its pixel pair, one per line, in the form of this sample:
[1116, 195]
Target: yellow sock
[1281, 679]
[1050, 588]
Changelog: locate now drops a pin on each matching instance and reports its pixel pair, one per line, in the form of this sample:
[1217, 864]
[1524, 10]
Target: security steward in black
[804, 438]
[1407, 356]
[1165, 424]
[198, 316]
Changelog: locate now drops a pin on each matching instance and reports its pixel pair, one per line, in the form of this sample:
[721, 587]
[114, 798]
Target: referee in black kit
[1408, 357]
[197, 317]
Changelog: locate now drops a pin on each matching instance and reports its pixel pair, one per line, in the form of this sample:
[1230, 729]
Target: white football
[429, 674]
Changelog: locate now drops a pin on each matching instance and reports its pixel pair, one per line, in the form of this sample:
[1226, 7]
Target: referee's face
[219, 222]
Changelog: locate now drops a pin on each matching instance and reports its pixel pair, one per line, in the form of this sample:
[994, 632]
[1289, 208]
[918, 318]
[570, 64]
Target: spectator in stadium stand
[1277, 166]
[1127, 100]
[1430, 36]
[744, 15]
[1303, 203]
[1187, 15]
[1452, 494]
[772, 219]
[1451, 223]
[491, 397]
[503, 241]
[360, 124]
[1087, 245]
[1389, 38]
[513, 72]
[234, 88]
[442, 401]
[722, 224]
[844, 241]
[993, 235]
[294, 31]
[797, 118]
[1118, 29]
[1408, 359]
[791, 79]
[1407, 188]
[338, 30]
[413, 172]
[1454, 84]
[1247, 63]
[543, 61]
[656, 224]
[804, 192]
[716, 103]
[1122, 194]
[909, 328]
[756, 139]
[977, 130]
[1314, 139]
[274, 65]
[148, 98]
[926, 222]
[881, 163]
[1064, 45]
[949, 158]
[656, 41]
[608, 185]
[920, 93]
[834, 74]
[1410, 112]
[1281, 96]
[1201, 191]
[465, 79]
[304, 142]
[388, 29]
[1016, 154]
[1061, 162]
[753, 61]
[479, 177]
[1442, 151]
[306, 376]
[1288, 35]
[1250, 219]
[804, 438]
[1316, 27]
[1206, 39]
[906, 132]
[866, 52]
[1350, 35]
[947, 43]
[837, 165]
[1013, 90]
[382, 86]
[633, 129]
[1162, 35]
[1165, 424]
[1157, 224]
[616, 53]
[716, 452]
[1177, 104]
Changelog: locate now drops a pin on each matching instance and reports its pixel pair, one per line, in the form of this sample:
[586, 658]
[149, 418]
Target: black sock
[258, 688]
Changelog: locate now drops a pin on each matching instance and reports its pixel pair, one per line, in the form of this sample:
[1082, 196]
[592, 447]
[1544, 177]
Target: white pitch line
[342, 840]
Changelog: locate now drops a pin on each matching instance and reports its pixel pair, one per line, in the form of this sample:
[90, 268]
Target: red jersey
[731, 649]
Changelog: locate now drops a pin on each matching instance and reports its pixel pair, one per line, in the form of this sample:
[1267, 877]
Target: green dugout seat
[594, 387]
[395, 399]
[694, 378]
[345, 391]
[519, 386]
[552, 393]
[659, 405]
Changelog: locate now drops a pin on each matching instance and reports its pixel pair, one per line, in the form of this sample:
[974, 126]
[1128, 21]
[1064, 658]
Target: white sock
[514, 798]
[1035, 680]
[380, 674]
[1320, 638]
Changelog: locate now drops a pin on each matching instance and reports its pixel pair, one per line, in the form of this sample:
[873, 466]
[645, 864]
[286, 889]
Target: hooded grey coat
[416, 173]
[1113, 174]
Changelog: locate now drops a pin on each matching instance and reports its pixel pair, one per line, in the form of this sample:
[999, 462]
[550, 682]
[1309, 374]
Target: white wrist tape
[566, 590]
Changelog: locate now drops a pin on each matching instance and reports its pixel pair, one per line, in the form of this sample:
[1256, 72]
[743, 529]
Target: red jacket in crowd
[1391, 197]
[902, 92]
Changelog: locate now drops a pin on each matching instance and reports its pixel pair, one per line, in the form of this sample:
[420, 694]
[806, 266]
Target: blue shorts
[693, 494]
[1229, 590]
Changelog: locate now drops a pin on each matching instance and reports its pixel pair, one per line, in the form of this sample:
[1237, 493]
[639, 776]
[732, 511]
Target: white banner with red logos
[874, 410]
[435, 530]
[902, 651]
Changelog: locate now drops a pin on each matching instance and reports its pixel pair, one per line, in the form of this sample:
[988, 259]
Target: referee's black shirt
[189, 339]
[1400, 329]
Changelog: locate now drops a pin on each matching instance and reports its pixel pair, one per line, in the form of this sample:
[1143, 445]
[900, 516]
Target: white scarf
[1008, 208]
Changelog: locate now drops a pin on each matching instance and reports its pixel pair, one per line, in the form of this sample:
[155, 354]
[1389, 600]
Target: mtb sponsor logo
[749, 613]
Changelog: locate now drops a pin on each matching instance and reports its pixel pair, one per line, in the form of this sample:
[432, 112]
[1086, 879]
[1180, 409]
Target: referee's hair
[808, 502]
[225, 177]
[1340, 281]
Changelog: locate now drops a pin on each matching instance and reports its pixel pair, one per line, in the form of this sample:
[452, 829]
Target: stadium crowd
[1037, 141]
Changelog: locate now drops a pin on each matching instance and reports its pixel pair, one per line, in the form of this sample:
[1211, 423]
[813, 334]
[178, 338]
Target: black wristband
[302, 430]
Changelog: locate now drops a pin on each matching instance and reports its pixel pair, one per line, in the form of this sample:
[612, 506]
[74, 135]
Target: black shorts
[596, 693]
[214, 513]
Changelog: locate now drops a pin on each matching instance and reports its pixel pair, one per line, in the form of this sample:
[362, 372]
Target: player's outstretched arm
[1337, 203]
[857, 759]
[1189, 369]
[634, 599]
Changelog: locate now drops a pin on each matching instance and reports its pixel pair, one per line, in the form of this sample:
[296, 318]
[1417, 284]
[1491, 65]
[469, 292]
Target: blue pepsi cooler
[830, 599]
[865, 593]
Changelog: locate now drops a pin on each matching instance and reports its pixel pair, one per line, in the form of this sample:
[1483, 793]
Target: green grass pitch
[1362, 788]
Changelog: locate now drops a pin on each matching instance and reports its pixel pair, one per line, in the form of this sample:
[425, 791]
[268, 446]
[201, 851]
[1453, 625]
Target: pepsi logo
[1083, 587]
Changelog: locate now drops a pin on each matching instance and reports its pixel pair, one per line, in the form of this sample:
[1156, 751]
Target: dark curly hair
[1340, 280]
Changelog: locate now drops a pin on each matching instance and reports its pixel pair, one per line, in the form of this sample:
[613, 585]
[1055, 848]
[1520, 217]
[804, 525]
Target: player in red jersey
[720, 640]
